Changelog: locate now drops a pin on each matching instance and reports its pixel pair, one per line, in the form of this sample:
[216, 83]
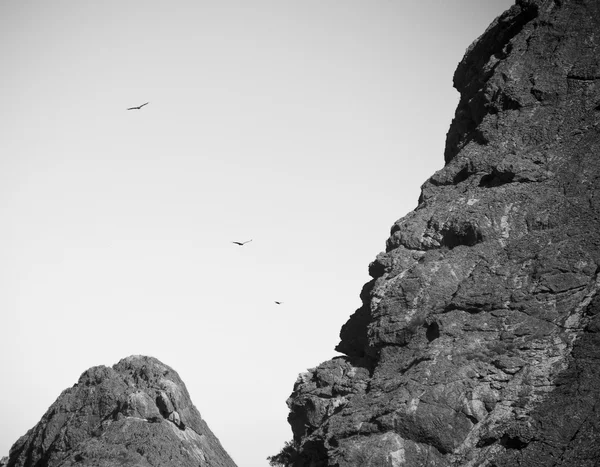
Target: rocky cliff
[137, 413]
[478, 341]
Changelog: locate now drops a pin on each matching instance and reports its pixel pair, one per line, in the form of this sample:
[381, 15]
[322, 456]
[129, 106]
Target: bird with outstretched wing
[138, 107]
[242, 243]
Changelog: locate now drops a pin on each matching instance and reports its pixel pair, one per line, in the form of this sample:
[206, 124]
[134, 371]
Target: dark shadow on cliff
[353, 335]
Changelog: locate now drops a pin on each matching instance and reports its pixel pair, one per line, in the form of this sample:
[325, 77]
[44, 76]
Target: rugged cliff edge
[478, 342]
[137, 413]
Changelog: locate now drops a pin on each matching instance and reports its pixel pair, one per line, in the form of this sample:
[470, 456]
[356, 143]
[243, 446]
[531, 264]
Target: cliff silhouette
[477, 343]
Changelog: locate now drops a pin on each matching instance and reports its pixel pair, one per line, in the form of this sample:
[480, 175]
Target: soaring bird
[278, 303]
[138, 107]
[242, 243]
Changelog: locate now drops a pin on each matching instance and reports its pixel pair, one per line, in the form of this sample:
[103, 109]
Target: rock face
[478, 341]
[137, 413]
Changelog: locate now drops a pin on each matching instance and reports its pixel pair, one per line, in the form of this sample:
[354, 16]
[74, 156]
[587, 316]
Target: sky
[306, 126]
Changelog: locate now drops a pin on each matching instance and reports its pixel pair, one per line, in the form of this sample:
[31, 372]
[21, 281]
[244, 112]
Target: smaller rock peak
[139, 407]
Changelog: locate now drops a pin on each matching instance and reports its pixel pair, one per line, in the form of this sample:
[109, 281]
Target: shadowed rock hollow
[478, 341]
[137, 413]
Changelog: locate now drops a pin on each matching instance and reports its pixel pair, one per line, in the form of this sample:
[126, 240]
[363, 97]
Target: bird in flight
[138, 107]
[242, 243]
[278, 303]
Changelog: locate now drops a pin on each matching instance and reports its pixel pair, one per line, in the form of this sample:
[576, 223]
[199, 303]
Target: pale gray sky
[307, 126]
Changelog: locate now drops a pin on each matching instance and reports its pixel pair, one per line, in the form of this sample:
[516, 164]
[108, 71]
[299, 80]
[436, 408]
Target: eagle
[138, 107]
[242, 243]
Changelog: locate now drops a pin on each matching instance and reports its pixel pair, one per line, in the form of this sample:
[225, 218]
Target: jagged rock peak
[137, 413]
[478, 341]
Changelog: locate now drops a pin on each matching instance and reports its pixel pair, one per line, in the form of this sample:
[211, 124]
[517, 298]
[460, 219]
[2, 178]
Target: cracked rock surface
[137, 413]
[478, 341]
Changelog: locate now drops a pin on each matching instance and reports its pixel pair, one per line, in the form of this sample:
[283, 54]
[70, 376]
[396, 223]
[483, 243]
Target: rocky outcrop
[478, 341]
[137, 413]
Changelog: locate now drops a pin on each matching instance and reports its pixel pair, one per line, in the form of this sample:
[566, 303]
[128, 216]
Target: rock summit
[137, 413]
